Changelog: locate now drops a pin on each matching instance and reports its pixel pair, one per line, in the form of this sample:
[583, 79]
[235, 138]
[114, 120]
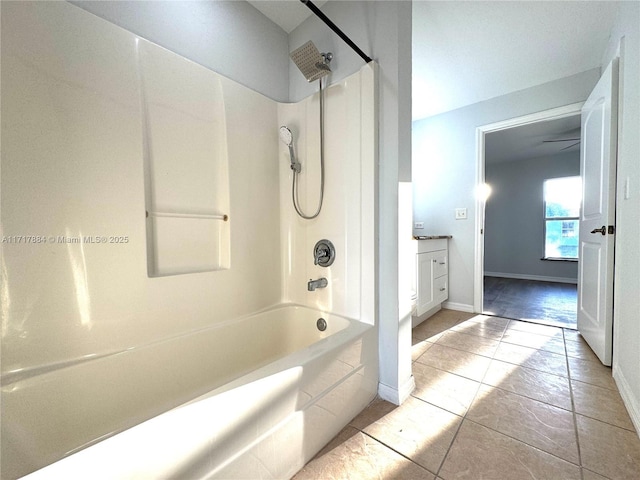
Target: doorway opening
[526, 251]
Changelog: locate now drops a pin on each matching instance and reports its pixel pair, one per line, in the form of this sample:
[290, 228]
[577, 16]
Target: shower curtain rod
[335, 28]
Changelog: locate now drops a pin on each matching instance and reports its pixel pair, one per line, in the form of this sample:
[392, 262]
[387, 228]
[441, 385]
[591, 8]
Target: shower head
[286, 136]
[311, 62]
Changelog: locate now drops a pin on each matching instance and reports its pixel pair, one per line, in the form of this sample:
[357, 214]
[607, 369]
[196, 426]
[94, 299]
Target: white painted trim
[481, 131]
[461, 307]
[631, 403]
[538, 278]
[397, 396]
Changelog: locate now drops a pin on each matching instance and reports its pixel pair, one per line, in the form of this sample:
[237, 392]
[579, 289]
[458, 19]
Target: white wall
[514, 216]
[230, 37]
[626, 309]
[444, 167]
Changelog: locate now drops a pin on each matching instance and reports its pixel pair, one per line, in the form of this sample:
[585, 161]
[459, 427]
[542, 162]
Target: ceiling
[467, 52]
[287, 14]
[533, 140]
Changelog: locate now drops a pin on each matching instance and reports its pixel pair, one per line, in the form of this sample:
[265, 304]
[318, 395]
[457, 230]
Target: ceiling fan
[576, 140]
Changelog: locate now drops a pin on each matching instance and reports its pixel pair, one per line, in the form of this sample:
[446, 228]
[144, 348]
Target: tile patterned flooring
[533, 301]
[494, 399]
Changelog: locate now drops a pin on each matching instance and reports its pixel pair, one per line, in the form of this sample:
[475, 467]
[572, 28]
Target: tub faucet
[313, 284]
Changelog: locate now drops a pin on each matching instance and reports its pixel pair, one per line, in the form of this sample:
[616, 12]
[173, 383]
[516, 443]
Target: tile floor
[540, 302]
[494, 399]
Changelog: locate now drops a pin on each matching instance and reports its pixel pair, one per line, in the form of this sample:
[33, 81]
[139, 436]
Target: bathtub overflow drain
[321, 324]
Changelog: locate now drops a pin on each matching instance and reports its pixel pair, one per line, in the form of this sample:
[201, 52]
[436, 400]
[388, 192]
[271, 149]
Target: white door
[598, 169]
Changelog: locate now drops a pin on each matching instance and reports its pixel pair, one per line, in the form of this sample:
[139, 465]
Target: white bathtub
[199, 405]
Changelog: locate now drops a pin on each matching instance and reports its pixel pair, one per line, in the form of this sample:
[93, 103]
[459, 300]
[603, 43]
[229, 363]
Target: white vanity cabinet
[432, 282]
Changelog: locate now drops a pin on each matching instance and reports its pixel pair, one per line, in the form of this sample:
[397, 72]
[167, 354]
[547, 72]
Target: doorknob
[602, 230]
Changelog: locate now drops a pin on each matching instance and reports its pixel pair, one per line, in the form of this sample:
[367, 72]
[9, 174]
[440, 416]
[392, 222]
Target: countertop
[431, 237]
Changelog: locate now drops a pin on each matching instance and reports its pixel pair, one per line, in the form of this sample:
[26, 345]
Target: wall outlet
[418, 225]
[461, 213]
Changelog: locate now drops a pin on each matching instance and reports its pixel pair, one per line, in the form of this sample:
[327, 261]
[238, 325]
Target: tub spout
[320, 283]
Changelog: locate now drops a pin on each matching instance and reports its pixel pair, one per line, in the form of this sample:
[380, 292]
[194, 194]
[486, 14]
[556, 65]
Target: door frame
[481, 131]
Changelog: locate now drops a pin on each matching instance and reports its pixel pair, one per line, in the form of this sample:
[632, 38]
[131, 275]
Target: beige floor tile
[374, 411]
[608, 450]
[418, 347]
[535, 328]
[479, 330]
[531, 358]
[591, 372]
[601, 403]
[580, 349]
[443, 389]
[465, 364]
[417, 430]
[545, 387]
[533, 340]
[572, 335]
[353, 454]
[469, 343]
[431, 330]
[453, 315]
[538, 424]
[481, 453]
[491, 321]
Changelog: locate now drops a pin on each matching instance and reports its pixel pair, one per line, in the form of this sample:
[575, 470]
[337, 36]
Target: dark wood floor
[541, 302]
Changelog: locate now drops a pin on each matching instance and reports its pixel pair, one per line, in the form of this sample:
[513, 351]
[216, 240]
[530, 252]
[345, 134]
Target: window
[562, 198]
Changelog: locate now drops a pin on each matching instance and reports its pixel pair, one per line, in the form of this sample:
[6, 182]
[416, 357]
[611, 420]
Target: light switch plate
[461, 213]
[418, 225]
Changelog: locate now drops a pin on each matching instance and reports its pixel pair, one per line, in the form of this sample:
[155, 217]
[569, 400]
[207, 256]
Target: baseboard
[461, 307]
[538, 278]
[397, 396]
[630, 401]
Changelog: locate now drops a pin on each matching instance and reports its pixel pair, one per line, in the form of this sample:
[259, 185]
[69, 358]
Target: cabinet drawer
[441, 289]
[440, 264]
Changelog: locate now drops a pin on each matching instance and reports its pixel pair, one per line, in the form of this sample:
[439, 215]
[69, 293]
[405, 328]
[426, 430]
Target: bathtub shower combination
[188, 313]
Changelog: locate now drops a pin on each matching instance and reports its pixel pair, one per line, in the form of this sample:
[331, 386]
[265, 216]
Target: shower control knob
[324, 253]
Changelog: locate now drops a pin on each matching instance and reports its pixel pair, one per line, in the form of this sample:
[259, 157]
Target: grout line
[573, 410]
[396, 451]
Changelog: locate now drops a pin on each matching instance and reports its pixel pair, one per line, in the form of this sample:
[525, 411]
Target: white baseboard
[461, 307]
[538, 278]
[630, 401]
[397, 396]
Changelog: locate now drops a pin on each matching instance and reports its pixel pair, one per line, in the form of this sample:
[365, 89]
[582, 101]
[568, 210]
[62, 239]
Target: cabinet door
[425, 282]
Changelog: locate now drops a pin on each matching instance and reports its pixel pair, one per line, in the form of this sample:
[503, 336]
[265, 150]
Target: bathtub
[195, 406]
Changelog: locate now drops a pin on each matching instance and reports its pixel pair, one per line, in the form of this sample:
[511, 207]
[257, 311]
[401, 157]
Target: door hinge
[611, 230]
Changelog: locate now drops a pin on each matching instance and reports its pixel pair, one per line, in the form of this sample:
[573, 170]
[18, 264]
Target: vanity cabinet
[432, 282]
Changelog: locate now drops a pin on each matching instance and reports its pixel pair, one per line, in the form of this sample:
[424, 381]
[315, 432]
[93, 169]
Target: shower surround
[108, 340]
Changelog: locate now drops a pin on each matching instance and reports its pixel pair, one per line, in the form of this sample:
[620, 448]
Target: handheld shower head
[311, 62]
[286, 137]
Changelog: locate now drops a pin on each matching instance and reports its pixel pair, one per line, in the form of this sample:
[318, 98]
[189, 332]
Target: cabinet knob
[443, 263]
[442, 289]
[435, 261]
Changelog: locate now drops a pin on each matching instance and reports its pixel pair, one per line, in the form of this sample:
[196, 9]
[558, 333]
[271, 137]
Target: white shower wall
[347, 215]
